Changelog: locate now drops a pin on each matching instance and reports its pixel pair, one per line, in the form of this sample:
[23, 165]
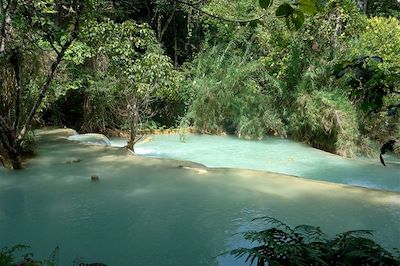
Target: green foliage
[12, 256]
[7, 254]
[228, 95]
[373, 65]
[294, 13]
[381, 36]
[219, 32]
[115, 63]
[325, 120]
[281, 82]
[133, 54]
[78, 53]
[29, 144]
[102, 105]
[383, 8]
[249, 78]
[281, 244]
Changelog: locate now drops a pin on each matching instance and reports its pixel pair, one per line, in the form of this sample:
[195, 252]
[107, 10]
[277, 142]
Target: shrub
[325, 120]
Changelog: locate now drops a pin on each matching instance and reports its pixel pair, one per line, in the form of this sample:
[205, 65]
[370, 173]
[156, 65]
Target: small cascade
[91, 138]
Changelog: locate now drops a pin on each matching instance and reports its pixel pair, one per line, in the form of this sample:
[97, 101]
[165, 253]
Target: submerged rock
[73, 161]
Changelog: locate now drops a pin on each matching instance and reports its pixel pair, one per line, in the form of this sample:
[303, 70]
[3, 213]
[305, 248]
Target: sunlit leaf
[308, 7]
[298, 19]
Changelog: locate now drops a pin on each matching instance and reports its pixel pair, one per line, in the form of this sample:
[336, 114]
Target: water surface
[146, 211]
[272, 154]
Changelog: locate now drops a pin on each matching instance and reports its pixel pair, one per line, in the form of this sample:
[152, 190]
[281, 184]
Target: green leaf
[265, 3]
[298, 19]
[308, 7]
[284, 10]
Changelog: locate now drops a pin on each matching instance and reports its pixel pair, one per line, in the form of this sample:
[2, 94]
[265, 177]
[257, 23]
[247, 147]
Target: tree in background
[134, 71]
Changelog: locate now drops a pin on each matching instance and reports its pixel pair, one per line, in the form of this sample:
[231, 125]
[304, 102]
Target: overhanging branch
[218, 17]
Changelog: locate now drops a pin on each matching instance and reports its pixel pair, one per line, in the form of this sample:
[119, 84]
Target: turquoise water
[272, 154]
[147, 211]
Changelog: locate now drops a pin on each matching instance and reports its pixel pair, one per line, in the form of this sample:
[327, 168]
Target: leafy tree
[370, 72]
[135, 67]
[26, 27]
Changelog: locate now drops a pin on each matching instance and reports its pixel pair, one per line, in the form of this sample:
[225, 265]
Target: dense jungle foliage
[322, 72]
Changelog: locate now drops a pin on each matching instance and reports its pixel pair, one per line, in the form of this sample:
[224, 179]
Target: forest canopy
[304, 70]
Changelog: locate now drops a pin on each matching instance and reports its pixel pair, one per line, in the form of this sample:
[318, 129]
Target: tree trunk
[16, 162]
[16, 63]
[365, 6]
[10, 150]
[164, 29]
[11, 160]
[6, 25]
[133, 110]
[175, 45]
